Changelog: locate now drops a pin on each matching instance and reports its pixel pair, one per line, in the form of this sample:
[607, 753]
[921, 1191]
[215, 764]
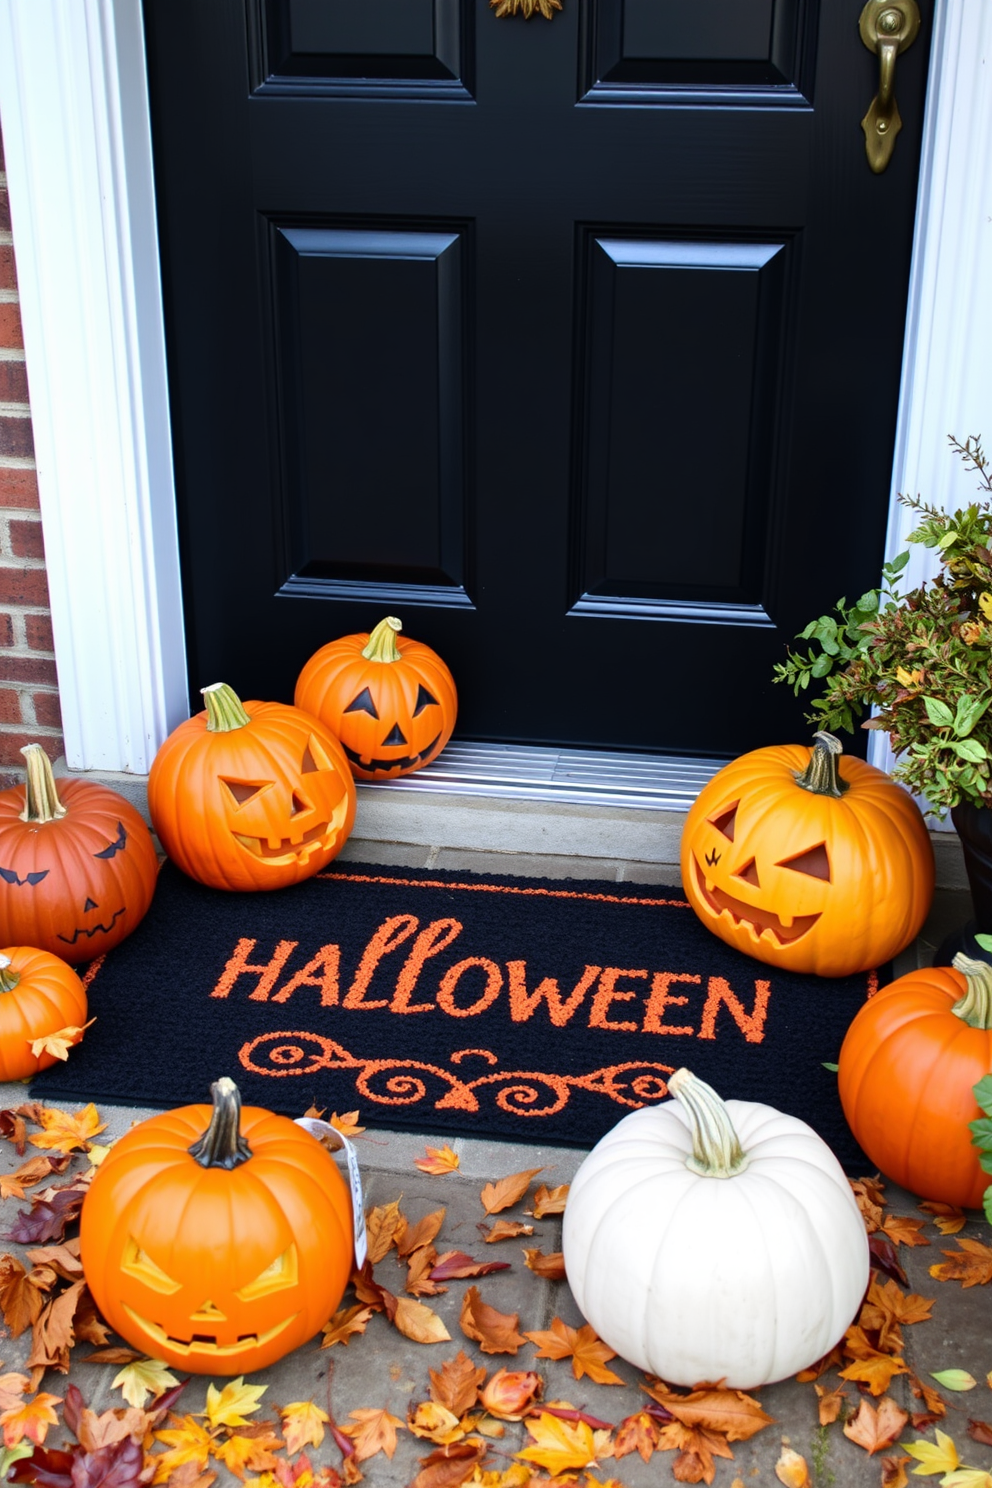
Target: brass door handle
[887, 27]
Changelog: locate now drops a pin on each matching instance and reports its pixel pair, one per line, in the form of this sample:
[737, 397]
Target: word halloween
[617, 999]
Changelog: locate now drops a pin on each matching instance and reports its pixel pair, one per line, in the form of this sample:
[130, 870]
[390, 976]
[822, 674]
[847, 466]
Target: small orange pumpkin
[77, 865]
[253, 796]
[391, 701]
[217, 1240]
[808, 861]
[40, 994]
[906, 1072]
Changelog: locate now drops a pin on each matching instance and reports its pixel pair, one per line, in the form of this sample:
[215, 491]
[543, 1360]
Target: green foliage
[921, 660]
[981, 1135]
[823, 1475]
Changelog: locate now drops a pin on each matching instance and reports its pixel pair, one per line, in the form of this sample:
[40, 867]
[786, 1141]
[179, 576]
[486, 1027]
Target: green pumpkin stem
[975, 1007]
[716, 1148]
[41, 799]
[224, 708]
[222, 1145]
[821, 775]
[382, 642]
[8, 979]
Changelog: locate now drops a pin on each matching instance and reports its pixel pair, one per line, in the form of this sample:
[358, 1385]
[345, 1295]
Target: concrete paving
[383, 1369]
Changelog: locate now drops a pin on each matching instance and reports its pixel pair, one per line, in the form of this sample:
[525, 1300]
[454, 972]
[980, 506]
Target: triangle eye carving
[363, 704]
[242, 790]
[424, 700]
[814, 863]
[725, 821]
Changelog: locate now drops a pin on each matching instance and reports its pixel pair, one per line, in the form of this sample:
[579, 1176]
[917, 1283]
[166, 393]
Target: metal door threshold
[583, 777]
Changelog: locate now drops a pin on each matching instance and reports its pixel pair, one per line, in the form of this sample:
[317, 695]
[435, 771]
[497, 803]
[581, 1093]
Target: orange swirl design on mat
[408, 1082]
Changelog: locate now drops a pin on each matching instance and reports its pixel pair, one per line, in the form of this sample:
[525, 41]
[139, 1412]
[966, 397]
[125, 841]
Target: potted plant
[922, 662]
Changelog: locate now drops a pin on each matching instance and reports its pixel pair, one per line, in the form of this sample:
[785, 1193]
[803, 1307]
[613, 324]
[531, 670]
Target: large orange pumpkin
[217, 1240]
[906, 1073]
[40, 994]
[253, 796]
[808, 861]
[77, 865]
[391, 701]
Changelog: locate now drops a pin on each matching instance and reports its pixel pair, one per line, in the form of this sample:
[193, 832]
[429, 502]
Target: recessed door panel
[374, 40]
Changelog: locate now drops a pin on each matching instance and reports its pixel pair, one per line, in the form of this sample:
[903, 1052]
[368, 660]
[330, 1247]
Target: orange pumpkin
[808, 861]
[391, 701]
[217, 1240]
[39, 995]
[253, 796]
[906, 1073]
[77, 865]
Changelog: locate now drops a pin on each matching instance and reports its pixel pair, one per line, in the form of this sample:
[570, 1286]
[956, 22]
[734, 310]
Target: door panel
[576, 344]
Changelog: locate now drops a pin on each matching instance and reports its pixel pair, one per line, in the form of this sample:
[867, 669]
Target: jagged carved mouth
[759, 921]
[285, 850]
[94, 929]
[404, 763]
[205, 1342]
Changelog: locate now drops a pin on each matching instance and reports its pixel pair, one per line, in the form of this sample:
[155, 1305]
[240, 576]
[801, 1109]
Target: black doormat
[536, 1009]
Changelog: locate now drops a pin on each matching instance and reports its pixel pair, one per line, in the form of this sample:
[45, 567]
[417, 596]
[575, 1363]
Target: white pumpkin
[706, 1241]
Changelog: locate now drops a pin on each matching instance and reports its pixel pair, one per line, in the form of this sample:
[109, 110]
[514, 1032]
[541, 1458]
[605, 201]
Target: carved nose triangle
[395, 736]
[208, 1313]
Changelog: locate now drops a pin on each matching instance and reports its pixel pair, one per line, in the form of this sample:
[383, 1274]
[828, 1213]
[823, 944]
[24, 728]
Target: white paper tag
[318, 1129]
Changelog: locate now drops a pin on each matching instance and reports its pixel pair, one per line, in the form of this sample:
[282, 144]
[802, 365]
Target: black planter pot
[974, 827]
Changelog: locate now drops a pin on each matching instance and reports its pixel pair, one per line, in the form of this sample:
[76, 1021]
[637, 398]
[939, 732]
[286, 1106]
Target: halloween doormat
[536, 1009]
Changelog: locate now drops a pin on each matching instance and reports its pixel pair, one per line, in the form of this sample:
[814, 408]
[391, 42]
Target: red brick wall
[29, 696]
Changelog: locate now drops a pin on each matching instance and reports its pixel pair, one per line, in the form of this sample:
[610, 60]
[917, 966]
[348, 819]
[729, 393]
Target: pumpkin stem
[820, 775]
[382, 642]
[975, 1007]
[716, 1149]
[41, 799]
[222, 1145]
[8, 979]
[224, 708]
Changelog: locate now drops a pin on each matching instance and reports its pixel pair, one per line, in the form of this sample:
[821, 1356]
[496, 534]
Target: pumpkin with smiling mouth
[251, 796]
[264, 1250]
[807, 860]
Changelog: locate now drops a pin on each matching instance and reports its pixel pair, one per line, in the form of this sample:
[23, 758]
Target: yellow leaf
[985, 605]
[188, 1442]
[374, 1431]
[439, 1160]
[302, 1425]
[967, 1477]
[792, 1470]
[417, 1321]
[143, 1378]
[58, 1043]
[63, 1132]
[347, 1124]
[30, 1420]
[230, 1406]
[942, 1458]
[560, 1446]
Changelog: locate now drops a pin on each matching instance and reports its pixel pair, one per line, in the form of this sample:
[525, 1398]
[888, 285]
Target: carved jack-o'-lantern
[263, 1251]
[807, 862]
[391, 701]
[253, 796]
[77, 865]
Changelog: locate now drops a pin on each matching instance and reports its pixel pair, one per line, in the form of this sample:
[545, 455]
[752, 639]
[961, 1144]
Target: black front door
[575, 343]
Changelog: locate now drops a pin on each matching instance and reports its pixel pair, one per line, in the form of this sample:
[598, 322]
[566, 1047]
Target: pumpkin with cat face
[77, 864]
[808, 861]
[251, 796]
[390, 700]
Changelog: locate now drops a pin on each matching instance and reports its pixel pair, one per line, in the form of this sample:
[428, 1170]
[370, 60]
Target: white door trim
[74, 107]
[77, 141]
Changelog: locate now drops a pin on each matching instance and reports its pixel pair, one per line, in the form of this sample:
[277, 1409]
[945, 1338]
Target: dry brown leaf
[347, 1124]
[510, 1394]
[713, 1408]
[505, 1229]
[12, 1127]
[367, 1289]
[507, 1191]
[979, 1431]
[456, 1384]
[875, 1370]
[455, 1265]
[448, 1467]
[12, 1185]
[948, 1218]
[904, 1230]
[438, 1161]
[638, 1433]
[494, 1332]
[886, 1302]
[29, 1419]
[833, 1360]
[88, 1325]
[381, 1226]
[792, 1469]
[424, 1232]
[189, 1475]
[696, 1449]
[550, 1200]
[551, 1267]
[830, 1403]
[20, 1301]
[583, 1346]
[374, 1431]
[62, 1259]
[869, 1195]
[435, 1423]
[65, 1131]
[53, 1333]
[12, 1387]
[416, 1321]
[418, 1273]
[60, 1041]
[934, 1402]
[971, 1265]
[112, 1356]
[345, 1323]
[894, 1472]
[876, 1429]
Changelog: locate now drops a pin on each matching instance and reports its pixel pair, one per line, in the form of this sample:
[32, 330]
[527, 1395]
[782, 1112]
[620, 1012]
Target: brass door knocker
[526, 8]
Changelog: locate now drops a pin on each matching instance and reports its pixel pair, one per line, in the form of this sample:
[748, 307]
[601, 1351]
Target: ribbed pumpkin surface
[48, 997]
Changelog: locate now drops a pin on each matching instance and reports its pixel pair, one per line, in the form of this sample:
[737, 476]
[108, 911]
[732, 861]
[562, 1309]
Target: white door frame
[77, 139]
